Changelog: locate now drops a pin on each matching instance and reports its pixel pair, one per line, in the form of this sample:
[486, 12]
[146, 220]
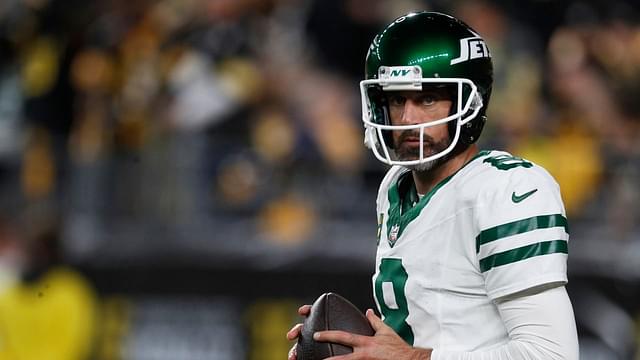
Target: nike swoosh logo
[517, 198]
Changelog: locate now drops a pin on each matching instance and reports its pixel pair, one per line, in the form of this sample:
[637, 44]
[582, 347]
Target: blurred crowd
[159, 110]
[170, 113]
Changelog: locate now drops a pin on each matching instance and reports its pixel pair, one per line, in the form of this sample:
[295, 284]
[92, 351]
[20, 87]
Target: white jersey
[494, 228]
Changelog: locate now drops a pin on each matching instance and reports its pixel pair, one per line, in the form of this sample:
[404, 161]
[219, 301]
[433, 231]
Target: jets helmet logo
[471, 48]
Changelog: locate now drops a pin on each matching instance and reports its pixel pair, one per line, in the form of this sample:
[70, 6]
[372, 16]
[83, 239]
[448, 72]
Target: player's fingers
[304, 310]
[376, 323]
[337, 336]
[294, 332]
[293, 353]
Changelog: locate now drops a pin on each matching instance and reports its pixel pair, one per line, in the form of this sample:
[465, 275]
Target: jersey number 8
[389, 291]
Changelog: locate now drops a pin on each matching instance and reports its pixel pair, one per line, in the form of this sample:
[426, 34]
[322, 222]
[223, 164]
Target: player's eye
[428, 99]
[396, 100]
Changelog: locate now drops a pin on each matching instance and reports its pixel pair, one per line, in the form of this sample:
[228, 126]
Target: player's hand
[384, 345]
[294, 333]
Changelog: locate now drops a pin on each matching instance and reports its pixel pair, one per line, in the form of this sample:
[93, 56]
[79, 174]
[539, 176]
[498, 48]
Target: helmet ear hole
[471, 131]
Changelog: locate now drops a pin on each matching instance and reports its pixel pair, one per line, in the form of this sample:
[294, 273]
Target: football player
[472, 245]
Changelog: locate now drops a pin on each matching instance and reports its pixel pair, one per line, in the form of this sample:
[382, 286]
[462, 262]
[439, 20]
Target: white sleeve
[523, 232]
[540, 326]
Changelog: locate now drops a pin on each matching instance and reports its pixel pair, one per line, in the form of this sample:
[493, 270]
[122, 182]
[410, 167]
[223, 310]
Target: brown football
[330, 312]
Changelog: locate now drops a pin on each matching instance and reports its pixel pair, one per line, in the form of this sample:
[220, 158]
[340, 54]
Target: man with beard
[472, 245]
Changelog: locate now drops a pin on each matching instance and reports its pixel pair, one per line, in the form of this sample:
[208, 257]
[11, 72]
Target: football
[330, 312]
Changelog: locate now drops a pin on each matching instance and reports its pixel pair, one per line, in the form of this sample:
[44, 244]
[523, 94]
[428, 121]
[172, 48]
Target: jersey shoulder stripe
[521, 226]
[522, 253]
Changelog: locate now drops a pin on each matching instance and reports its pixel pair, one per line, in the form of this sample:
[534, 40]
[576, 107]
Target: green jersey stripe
[521, 226]
[524, 252]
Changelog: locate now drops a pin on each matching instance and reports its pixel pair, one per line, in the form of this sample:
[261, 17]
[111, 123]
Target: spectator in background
[47, 311]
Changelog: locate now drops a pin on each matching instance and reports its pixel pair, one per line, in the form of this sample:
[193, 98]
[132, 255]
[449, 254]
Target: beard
[405, 151]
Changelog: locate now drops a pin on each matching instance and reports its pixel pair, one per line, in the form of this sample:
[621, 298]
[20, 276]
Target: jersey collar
[405, 204]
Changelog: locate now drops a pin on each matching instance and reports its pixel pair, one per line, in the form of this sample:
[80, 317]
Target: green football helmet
[426, 48]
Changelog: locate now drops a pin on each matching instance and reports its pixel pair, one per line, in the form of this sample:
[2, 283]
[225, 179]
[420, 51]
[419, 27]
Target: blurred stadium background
[177, 176]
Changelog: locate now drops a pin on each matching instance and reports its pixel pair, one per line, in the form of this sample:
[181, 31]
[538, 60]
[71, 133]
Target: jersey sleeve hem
[559, 277]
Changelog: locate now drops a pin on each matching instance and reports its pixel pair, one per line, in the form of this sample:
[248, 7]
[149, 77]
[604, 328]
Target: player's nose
[411, 113]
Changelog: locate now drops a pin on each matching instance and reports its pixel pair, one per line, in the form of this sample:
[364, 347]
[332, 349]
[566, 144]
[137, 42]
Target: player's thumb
[376, 323]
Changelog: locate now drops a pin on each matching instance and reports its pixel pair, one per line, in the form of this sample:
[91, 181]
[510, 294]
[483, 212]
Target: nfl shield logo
[393, 234]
